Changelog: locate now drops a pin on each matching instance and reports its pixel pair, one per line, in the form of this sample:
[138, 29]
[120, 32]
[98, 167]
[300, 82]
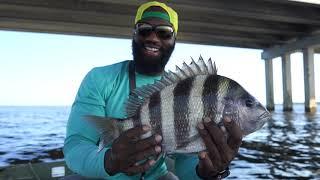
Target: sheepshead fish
[174, 105]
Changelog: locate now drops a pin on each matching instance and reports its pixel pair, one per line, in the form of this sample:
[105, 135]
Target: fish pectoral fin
[103, 124]
[107, 128]
[106, 139]
[101, 146]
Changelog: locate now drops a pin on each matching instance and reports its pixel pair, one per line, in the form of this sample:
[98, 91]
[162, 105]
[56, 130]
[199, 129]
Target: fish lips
[256, 124]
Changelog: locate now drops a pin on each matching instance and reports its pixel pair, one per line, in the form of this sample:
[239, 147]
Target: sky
[47, 69]
[308, 1]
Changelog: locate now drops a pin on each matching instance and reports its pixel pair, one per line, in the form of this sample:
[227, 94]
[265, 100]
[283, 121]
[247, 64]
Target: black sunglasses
[162, 31]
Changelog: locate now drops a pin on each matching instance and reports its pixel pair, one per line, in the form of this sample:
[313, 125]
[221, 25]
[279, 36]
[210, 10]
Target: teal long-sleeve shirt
[103, 92]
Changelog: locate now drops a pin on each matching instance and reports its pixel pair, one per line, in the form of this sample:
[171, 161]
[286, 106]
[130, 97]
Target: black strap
[132, 76]
[221, 175]
[132, 84]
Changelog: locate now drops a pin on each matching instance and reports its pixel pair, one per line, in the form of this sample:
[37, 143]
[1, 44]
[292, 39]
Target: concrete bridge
[278, 27]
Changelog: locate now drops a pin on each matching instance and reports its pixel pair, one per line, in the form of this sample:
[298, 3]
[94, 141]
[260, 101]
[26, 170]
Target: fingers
[124, 162]
[147, 143]
[142, 155]
[235, 135]
[204, 164]
[218, 138]
[135, 133]
[133, 147]
[214, 153]
[220, 150]
[135, 169]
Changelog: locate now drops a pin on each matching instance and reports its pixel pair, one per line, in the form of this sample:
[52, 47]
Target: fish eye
[249, 102]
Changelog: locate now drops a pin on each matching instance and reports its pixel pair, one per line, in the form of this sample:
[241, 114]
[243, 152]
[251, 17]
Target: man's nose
[153, 37]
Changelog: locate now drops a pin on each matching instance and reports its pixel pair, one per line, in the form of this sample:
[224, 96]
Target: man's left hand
[220, 150]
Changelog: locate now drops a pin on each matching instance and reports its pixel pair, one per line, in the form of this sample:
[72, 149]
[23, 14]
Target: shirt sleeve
[80, 149]
[185, 166]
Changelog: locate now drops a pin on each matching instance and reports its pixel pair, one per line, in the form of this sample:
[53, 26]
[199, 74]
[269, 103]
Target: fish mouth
[264, 115]
[257, 123]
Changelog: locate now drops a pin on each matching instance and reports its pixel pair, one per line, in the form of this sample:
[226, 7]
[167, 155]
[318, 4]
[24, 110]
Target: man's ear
[134, 35]
[133, 32]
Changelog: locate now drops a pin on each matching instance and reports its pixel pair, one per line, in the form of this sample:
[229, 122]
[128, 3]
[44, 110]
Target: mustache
[150, 65]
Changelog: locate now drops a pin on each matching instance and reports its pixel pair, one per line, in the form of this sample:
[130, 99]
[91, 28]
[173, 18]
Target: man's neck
[148, 72]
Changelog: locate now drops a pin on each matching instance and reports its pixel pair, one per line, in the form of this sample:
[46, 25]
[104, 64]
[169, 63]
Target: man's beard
[150, 65]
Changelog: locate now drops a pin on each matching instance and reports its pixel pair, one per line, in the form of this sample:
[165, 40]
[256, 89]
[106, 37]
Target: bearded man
[104, 91]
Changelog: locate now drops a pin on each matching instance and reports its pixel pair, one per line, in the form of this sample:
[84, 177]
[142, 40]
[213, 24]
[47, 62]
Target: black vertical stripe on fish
[181, 95]
[234, 89]
[209, 96]
[233, 92]
[155, 113]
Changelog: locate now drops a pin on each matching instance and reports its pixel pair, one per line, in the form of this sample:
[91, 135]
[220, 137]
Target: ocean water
[32, 134]
[287, 147]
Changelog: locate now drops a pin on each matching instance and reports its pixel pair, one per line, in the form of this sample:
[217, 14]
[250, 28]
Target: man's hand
[220, 150]
[129, 149]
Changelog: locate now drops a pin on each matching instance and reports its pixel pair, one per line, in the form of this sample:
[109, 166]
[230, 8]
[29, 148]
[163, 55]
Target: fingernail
[145, 128]
[146, 135]
[152, 162]
[200, 126]
[158, 138]
[227, 119]
[202, 155]
[157, 149]
[206, 119]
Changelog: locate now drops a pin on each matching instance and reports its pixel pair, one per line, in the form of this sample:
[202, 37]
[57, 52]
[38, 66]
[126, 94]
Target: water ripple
[287, 147]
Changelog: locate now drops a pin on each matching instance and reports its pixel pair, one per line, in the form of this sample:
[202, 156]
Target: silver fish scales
[174, 105]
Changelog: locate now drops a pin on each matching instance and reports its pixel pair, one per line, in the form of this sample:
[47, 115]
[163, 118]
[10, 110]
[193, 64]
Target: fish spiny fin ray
[181, 73]
[139, 95]
[175, 77]
[203, 66]
[211, 67]
[195, 67]
[187, 69]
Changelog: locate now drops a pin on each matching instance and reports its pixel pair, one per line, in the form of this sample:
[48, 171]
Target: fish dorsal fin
[195, 67]
[212, 69]
[203, 66]
[181, 73]
[188, 70]
[139, 95]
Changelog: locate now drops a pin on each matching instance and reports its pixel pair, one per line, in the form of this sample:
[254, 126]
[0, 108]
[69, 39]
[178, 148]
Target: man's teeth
[152, 49]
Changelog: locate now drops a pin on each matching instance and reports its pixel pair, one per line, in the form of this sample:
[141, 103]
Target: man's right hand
[129, 149]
